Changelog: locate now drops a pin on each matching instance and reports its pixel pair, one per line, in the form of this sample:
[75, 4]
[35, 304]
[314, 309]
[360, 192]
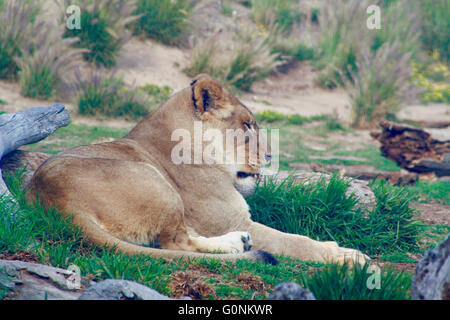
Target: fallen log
[423, 151]
[25, 127]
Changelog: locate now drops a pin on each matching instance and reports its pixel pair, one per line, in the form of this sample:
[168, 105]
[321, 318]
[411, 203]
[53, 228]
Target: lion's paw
[235, 242]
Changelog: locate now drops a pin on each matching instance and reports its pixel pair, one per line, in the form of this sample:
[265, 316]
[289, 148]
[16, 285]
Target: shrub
[250, 60]
[163, 20]
[204, 58]
[286, 13]
[374, 64]
[435, 20]
[45, 66]
[105, 94]
[323, 212]
[380, 85]
[17, 26]
[433, 78]
[103, 30]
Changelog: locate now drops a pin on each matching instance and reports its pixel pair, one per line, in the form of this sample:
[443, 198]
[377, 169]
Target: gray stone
[431, 280]
[112, 289]
[31, 281]
[291, 291]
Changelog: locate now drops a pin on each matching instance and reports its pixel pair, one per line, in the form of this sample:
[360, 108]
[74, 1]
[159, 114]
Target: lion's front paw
[345, 255]
[239, 242]
[234, 242]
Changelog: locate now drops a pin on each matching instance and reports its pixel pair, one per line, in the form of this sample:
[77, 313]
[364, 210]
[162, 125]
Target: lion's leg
[233, 242]
[301, 247]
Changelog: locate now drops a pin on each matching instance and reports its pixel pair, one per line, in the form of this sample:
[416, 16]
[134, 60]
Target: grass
[296, 138]
[270, 116]
[75, 135]
[163, 20]
[339, 283]
[53, 240]
[323, 211]
[431, 191]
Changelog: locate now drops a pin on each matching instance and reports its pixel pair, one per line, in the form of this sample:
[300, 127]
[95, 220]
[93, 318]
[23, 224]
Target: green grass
[163, 20]
[55, 241]
[75, 135]
[270, 116]
[322, 211]
[431, 191]
[295, 138]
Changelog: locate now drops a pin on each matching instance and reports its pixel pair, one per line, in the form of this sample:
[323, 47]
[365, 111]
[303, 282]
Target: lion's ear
[207, 93]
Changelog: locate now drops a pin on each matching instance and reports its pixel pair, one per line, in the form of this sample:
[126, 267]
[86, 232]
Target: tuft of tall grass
[322, 211]
[102, 93]
[286, 13]
[380, 85]
[46, 65]
[374, 64]
[17, 26]
[163, 20]
[341, 282]
[435, 21]
[103, 29]
[250, 60]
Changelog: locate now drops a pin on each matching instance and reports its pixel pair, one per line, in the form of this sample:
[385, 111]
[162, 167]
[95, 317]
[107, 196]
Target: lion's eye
[247, 125]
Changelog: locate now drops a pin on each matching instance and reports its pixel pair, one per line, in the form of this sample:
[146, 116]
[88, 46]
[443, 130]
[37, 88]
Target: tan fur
[128, 192]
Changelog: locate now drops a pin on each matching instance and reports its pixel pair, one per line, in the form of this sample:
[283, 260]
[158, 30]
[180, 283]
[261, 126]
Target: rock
[291, 291]
[359, 188]
[431, 280]
[112, 289]
[31, 281]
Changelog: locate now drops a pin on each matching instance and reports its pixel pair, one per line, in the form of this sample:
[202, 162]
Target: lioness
[129, 192]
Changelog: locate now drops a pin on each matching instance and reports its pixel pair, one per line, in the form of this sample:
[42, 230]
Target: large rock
[31, 281]
[291, 291]
[431, 280]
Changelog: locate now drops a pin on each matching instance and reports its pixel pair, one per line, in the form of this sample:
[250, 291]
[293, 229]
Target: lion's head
[245, 149]
[229, 134]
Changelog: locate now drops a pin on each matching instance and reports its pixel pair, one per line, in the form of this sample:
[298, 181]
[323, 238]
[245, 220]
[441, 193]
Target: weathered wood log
[417, 150]
[25, 127]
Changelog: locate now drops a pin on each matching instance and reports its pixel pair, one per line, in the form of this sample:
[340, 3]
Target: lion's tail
[102, 238]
